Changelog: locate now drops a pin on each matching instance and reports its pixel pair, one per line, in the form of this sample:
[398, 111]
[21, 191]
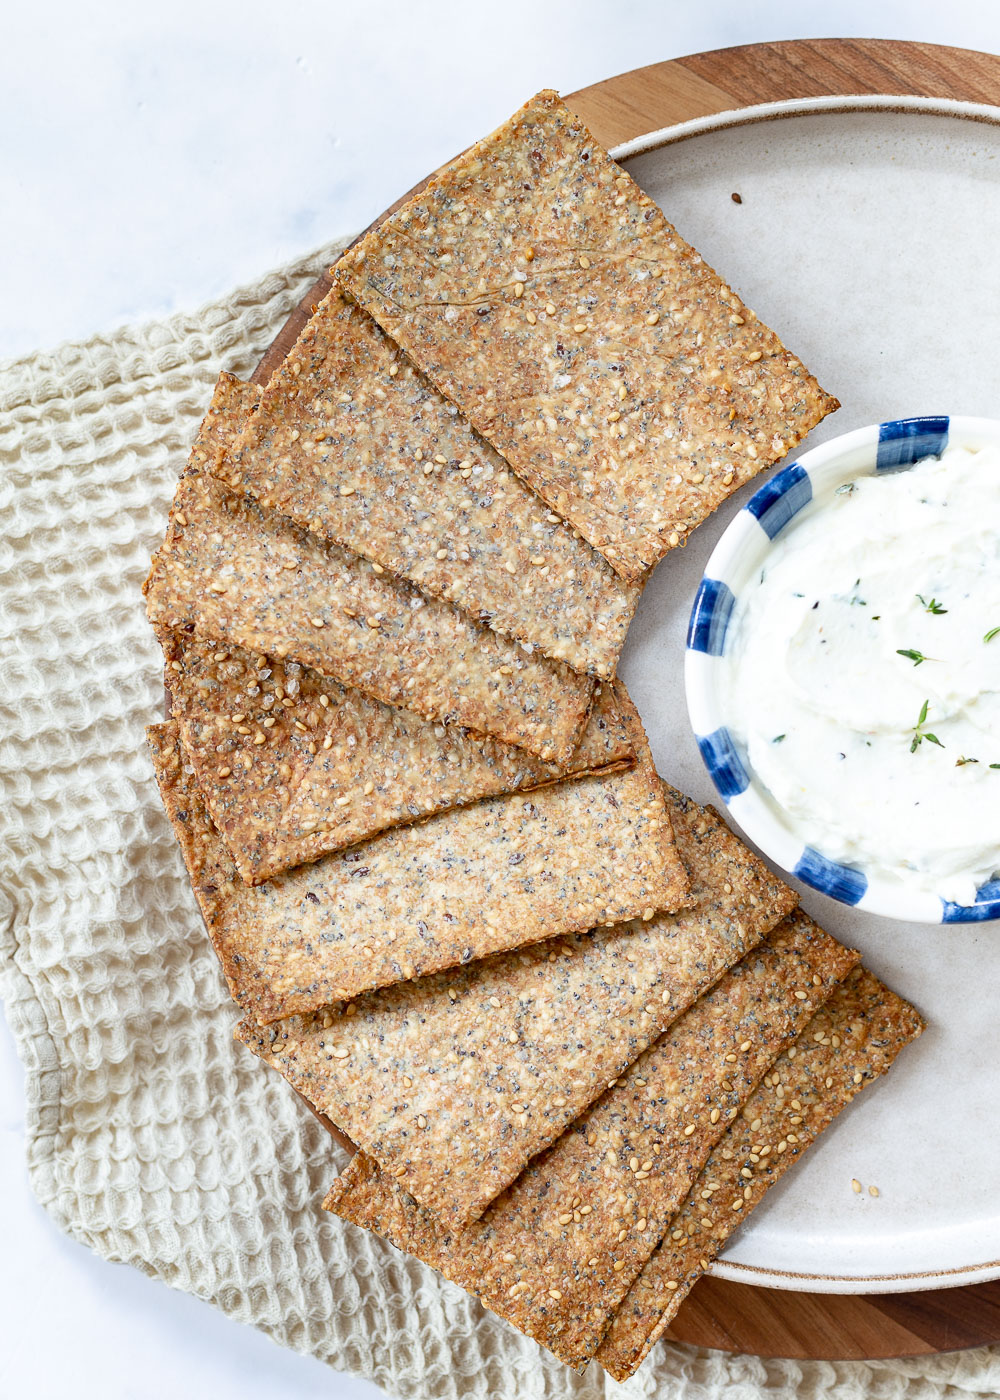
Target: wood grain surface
[717, 1314]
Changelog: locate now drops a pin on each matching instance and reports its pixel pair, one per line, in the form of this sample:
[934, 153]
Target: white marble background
[152, 157]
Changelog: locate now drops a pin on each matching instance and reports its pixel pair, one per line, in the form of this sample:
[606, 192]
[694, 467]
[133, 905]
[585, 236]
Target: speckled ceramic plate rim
[642, 145]
[803, 107]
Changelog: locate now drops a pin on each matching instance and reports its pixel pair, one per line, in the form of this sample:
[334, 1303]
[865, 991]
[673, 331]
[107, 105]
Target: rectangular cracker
[500, 874]
[537, 286]
[337, 766]
[556, 1254]
[352, 441]
[233, 571]
[861, 1030]
[452, 1083]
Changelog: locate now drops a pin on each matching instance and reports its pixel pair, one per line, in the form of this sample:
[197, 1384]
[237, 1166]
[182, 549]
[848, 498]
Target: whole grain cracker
[500, 874]
[851, 1041]
[351, 441]
[452, 1083]
[555, 1255]
[538, 287]
[232, 571]
[234, 402]
[293, 766]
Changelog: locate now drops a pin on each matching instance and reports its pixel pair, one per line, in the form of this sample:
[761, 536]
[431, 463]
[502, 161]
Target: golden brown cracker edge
[231, 570]
[453, 1082]
[852, 1040]
[556, 1254]
[353, 443]
[582, 336]
[501, 873]
[338, 766]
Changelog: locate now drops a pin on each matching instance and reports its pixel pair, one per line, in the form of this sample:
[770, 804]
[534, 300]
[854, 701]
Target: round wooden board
[730, 1316]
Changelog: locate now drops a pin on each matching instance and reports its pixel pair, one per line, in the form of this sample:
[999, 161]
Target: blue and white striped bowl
[739, 555]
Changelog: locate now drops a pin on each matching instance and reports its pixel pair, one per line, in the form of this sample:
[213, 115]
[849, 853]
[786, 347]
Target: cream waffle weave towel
[153, 1138]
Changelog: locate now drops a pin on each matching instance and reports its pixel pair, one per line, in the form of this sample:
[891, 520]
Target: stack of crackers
[573, 1026]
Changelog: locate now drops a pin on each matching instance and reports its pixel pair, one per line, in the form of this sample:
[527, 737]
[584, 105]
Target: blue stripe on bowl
[710, 615]
[724, 764]
[781, 498]
[987, 906]
[838, 881]
[907, 440]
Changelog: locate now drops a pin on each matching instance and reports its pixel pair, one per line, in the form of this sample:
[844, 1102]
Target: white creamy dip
[828, 710]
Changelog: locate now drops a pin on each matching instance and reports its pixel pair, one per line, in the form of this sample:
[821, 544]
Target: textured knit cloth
[152, 1136]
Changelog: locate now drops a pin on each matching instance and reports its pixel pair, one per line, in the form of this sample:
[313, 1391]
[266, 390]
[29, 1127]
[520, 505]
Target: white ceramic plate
[867, 237]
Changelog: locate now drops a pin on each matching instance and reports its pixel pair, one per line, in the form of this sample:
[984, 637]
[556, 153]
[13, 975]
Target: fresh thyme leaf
[993, 632]
[995, 765]
[960, 761]
[932, 606]
[919, 733]
[845, 490]
[777, 738]
[915, 656]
